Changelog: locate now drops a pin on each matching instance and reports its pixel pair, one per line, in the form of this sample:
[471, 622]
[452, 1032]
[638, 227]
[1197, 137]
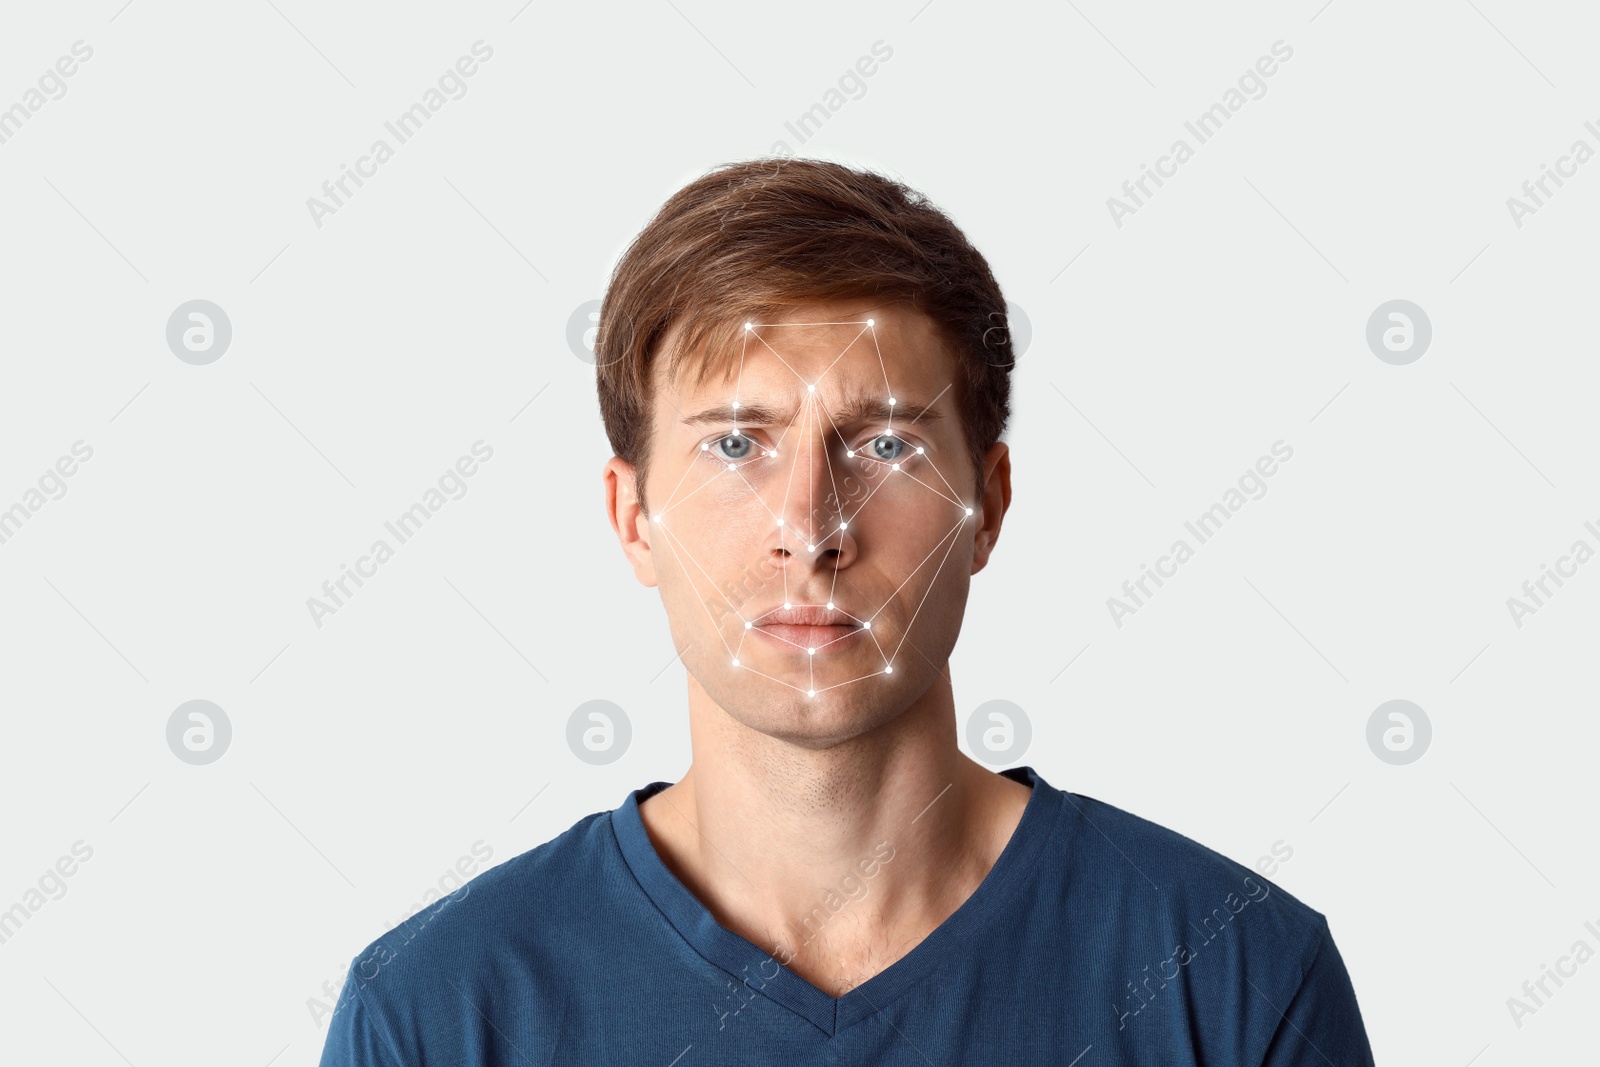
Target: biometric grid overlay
[886, 451]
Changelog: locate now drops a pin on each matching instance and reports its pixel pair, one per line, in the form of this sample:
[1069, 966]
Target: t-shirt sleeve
[356, 1035]
[1321, 1024]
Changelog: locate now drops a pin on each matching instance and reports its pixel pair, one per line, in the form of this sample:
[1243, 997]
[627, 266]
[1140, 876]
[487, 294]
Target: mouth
[807, 627]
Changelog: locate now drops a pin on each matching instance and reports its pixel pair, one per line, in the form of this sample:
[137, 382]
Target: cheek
[718, 530]
[908, 531]
[691, 494]
[914, 503]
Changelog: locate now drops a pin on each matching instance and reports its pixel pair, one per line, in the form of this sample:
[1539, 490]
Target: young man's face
[815, 518]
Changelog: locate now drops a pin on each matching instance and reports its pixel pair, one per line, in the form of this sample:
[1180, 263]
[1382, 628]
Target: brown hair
[750, 240]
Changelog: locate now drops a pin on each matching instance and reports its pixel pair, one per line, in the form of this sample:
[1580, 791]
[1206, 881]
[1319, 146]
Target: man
[804, 373]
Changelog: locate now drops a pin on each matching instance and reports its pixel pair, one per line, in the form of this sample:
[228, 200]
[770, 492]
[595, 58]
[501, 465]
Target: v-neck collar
[754, 966]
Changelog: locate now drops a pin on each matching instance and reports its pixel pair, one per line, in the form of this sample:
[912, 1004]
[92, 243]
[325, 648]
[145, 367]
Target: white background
[1167, 354]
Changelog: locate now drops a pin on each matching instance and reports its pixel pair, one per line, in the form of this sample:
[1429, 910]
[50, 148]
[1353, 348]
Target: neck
[849, 850]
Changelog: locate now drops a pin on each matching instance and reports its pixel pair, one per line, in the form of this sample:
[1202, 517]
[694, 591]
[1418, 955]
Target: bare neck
[836, 860]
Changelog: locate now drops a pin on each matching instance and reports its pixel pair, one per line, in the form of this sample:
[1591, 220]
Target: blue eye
[735, 446]
[885, 448]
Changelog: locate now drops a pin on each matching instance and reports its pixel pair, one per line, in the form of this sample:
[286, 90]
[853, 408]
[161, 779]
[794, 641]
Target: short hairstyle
[748, 241]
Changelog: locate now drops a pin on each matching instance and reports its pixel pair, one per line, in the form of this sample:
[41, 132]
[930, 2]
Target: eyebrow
[855, 409]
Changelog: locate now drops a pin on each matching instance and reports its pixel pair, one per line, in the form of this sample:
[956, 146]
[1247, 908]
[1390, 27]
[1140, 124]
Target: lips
[806, 626]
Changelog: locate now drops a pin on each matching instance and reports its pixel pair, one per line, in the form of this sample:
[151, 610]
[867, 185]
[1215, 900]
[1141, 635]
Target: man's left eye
[885, 448]
[735, 446]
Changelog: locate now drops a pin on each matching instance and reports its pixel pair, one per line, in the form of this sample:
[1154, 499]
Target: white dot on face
[889, 669]
[969, 511]
[704, 446]
[869, 322]
[850, 453]
[730, 466]
[747, 325]
[735, 663]
[786, 605]
[919, 451]
[780, 522]
[867, 625]
[811, 388]
[748, 625]
[895, 467]
[830, 605]
[736, 404]
[891, 401]
[811, 692]
[811, 652]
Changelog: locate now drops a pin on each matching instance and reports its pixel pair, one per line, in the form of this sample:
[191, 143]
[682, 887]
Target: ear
[628, 520]
[992, 503]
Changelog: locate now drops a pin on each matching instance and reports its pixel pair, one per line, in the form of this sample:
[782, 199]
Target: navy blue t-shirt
[1097, 938]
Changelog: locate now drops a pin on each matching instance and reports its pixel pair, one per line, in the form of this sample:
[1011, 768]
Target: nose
[811, 531]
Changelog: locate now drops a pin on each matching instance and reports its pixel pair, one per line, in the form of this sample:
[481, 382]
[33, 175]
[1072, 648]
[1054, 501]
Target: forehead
[840, 349]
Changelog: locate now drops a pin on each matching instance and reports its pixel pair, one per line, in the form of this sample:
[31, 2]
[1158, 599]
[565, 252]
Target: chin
[822, 721]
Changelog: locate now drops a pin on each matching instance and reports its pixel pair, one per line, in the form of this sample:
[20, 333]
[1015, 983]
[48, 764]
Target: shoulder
[1172, 864]
[416, 991]
[1167, 911]
[509, 907]
[1186, 893]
